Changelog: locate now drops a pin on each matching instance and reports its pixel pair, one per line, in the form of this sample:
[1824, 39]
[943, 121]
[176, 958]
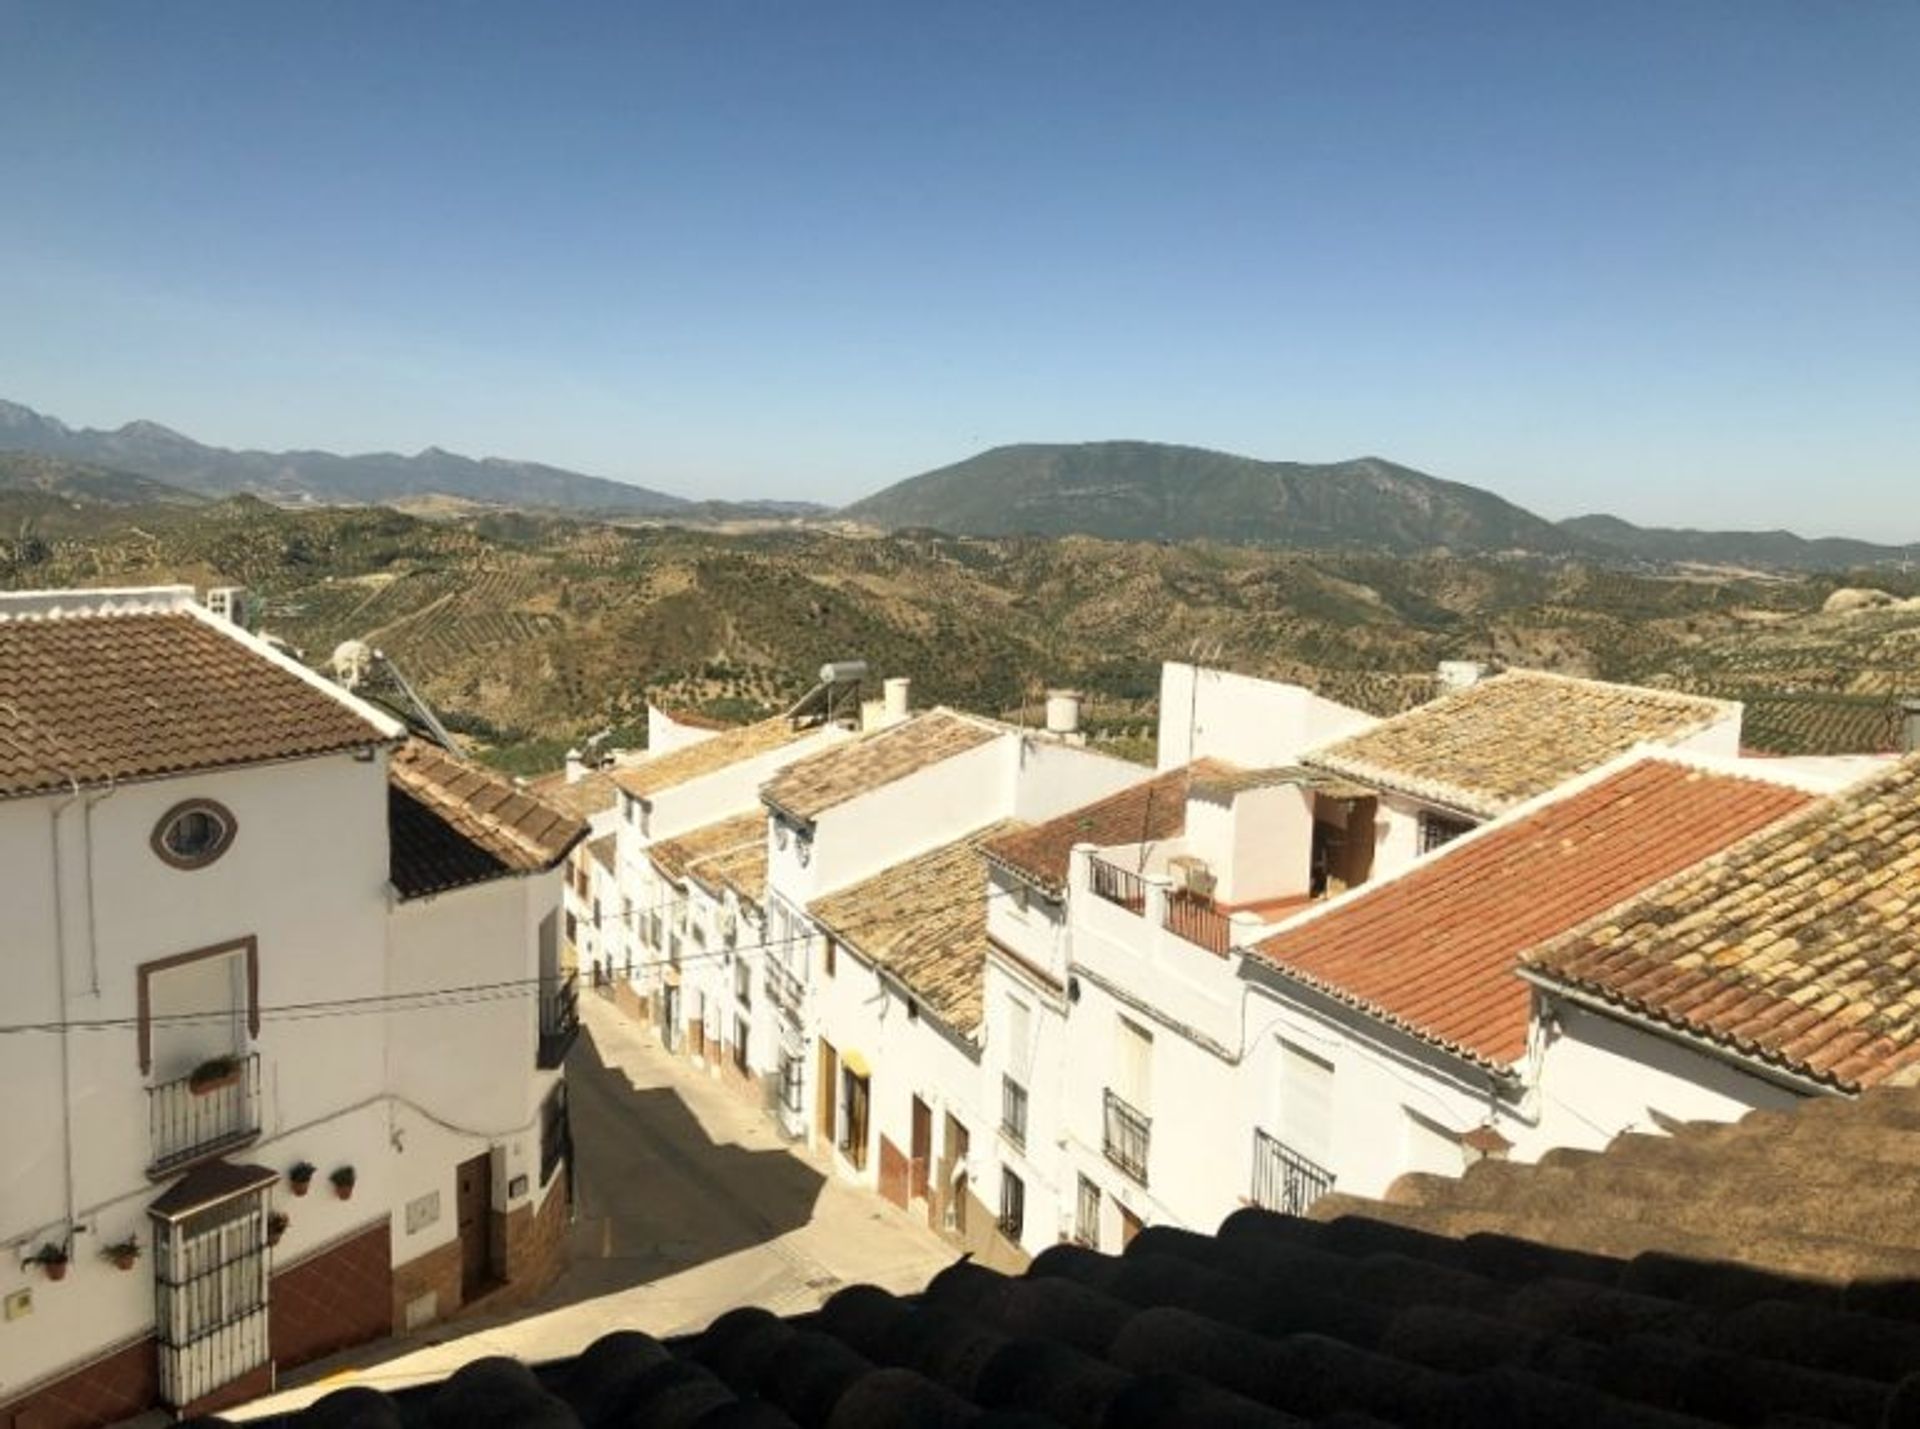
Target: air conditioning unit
[1191, 875]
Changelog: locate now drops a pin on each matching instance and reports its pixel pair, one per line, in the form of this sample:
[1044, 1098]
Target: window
[573, 929]
[1086, 1214]
[1306, 1103]
[792, 1069]
[1013, 1111]
[210, 1271]
[653, 930]
[740, 1030]
[829, 951]
[194, 834]
[1133, 1064]
[1019, 1039]
[743, 983]
[1013, 1205]
[1437, 831]
[556, 1132]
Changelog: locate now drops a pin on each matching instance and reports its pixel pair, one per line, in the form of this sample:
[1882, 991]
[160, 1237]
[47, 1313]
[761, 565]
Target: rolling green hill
[1754, 550]
[1131, 491]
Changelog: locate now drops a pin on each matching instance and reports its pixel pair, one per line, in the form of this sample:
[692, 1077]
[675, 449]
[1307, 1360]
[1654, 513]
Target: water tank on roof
[843, 672]
[1063, 711]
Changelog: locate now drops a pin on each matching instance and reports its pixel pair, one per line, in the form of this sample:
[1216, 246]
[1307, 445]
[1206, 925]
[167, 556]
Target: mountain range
[1115, 490]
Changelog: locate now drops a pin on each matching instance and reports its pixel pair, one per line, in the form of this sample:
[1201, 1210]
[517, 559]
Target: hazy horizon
[1651, 260]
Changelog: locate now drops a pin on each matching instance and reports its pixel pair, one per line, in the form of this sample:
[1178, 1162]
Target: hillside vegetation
[530, 632]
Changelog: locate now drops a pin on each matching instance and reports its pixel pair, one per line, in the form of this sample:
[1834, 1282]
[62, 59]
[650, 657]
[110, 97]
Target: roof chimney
[1455, 675]
[1063, 714]
[576, 767]
[897, 694]
[1910, 725]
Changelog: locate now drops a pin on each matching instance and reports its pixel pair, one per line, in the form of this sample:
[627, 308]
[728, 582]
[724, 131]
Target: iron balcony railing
[784, 989]
[1013, 1111]
[1283, 1179]
[1127, 1137]
[1195, 918]
[559, 1018]
[197, 1116]
[1117, 885]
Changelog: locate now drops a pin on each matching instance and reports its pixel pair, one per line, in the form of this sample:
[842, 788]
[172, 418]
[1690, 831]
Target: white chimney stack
[1455, 675]
[1063, 714]
[576, 767]
[897, 695]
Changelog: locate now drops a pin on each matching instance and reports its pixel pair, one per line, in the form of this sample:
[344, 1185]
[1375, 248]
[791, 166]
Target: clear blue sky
[1661, 258]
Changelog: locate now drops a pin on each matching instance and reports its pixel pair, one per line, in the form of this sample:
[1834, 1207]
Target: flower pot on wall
[277, 1224]
[123, 1254]
[300, 1177]
[213, 1075]
[343, 1183]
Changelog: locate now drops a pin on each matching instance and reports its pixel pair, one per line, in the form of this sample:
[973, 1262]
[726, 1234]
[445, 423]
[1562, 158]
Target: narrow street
[688, 1204]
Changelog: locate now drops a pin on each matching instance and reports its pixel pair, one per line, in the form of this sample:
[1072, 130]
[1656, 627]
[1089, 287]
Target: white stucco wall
[1246, 721]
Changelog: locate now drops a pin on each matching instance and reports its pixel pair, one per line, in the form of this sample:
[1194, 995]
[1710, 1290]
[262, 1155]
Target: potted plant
[123, 1253]
[300, 1176]
[213, 1074]
[277, 1224]
[342, 1179]
[52, 1260]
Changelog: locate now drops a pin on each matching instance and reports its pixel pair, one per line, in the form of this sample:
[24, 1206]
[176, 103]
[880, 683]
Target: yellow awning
[855, 1063]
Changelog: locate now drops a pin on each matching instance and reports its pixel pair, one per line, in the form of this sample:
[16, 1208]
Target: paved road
[688, 1204]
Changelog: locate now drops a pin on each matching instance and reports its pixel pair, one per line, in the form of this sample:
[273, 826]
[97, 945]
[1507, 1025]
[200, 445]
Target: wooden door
[921, 1150]
[828, 1091]
[473, 1200]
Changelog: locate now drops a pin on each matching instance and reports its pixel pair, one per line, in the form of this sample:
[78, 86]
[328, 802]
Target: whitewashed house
[876, 907]
[277, 1075]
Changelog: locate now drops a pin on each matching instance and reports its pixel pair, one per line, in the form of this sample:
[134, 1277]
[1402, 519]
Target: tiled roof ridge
[410, 770]
[795, 792]
[1539, 968]
[731, 746]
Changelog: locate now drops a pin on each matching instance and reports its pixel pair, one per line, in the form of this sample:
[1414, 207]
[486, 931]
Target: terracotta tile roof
[1800, 948]
[924, 921]
[809, 787]
[650, 776]
[693, 719]
[1821, 1192]
[1150, 811]
[730, 853]
[131, 696]
[1435, 950]
[1495, 744]
[594, 792]
[438, 803]
[1748, 1275]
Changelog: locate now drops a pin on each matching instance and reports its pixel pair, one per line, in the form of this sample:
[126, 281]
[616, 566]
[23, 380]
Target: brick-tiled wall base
[893, 1173]
[251, 1385]
[339, 1297]
[116, 1386]
[536, 1244]
[436, 1273]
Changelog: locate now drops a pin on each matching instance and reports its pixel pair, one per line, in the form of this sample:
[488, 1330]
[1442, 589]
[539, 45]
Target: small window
[743, 983]
[740, 1030]
[1013, 1205]
[791, 1071]
[1437, 831]
[193, 834]
[1086, 1215]
[828, 954]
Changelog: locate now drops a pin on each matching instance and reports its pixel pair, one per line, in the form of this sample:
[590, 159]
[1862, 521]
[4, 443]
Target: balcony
[1196, 919]
[1117, 885]
[1127, 1137]
[197, 1116]
[1283, 1179]
[559, 1019]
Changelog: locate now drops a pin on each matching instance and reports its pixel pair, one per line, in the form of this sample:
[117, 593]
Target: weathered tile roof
[1221, 784]
[98, 698]
[650, 776]
[924, 921]
[594, 792]
[1756, 1274]
[730, 853]
[1799, 948]
[1435, 951]
[809, 787]
[602, 849]
[1486, 748]
[1152, 810]
[452, 823]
